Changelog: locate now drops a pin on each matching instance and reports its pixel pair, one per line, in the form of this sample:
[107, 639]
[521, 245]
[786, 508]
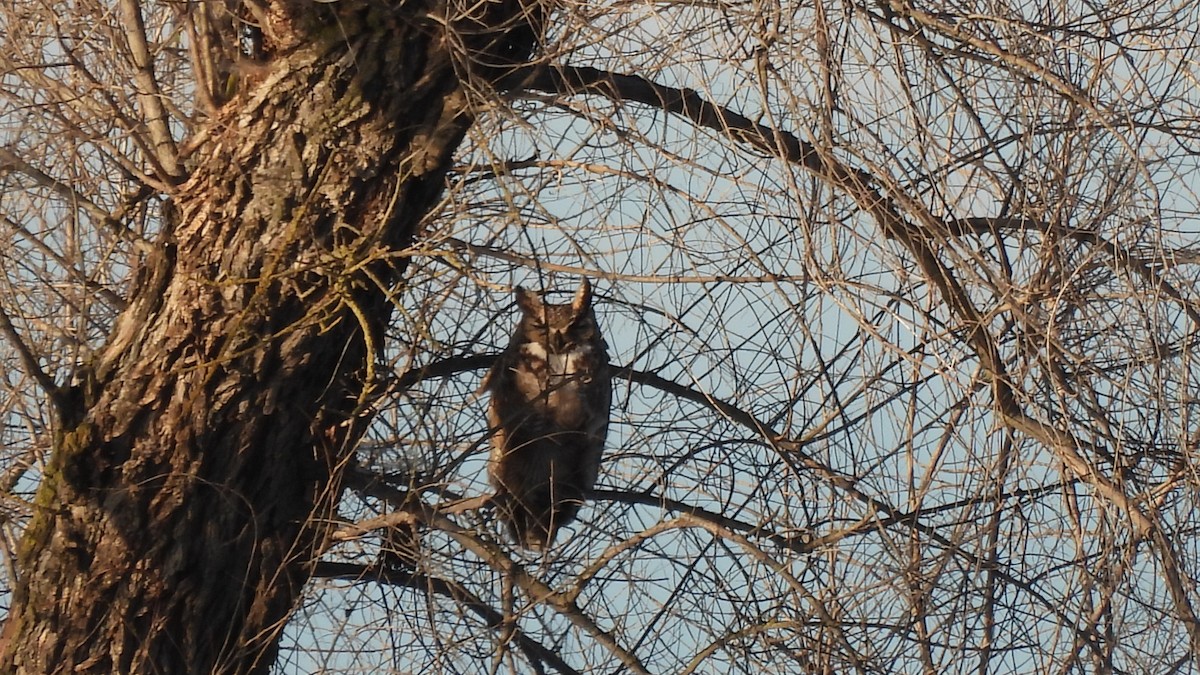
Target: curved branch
[493, 618]
[919, 238]
[441, 368]
[880, 513]
[492, 555]
[791, 450]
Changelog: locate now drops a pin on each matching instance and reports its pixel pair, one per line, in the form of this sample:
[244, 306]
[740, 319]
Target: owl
[550, 397]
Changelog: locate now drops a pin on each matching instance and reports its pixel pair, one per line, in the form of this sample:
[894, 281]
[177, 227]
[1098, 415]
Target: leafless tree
[902, 298]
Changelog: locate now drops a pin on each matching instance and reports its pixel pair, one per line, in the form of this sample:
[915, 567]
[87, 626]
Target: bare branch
[535, 651]
[149, 94]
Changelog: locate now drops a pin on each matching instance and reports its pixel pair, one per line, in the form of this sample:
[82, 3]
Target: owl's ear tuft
[527, 300]
[583, 298]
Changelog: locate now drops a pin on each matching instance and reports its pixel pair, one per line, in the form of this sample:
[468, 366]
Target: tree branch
[493, 555]
[534, 650]
[30, 361]
[918, 238]
[150, 97]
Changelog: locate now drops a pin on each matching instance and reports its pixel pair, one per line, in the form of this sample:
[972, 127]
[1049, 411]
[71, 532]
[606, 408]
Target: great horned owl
[551, 393]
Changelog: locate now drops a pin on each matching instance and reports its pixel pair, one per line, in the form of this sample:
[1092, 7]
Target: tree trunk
[178, 518]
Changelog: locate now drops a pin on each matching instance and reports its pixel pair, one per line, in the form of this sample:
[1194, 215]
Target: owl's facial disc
[560, 341]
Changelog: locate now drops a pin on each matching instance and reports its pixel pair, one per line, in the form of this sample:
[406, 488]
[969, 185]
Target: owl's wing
[599, 394]
[598, 401]
[493, 378]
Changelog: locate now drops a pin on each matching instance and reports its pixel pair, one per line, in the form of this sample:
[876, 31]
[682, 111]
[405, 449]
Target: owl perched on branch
[551, 393]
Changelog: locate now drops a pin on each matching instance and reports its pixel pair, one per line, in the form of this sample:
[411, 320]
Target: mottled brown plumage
[551, 393]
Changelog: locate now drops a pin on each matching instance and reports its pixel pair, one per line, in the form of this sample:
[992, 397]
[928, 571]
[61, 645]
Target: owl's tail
[531, 528]
[534, 522]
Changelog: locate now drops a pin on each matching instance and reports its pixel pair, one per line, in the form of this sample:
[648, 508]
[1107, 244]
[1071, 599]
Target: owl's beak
[558, 341]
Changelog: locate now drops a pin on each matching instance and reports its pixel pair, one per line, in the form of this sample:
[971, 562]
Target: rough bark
[178, 519]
